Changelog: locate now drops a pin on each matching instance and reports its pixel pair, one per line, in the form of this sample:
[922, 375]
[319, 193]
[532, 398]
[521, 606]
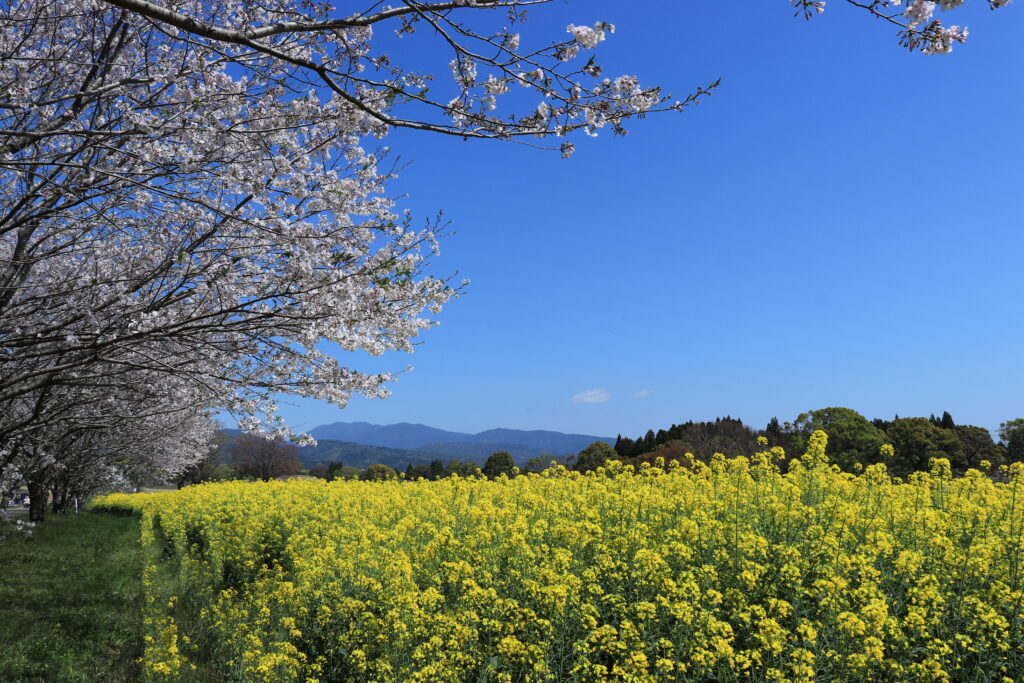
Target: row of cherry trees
[194, 214]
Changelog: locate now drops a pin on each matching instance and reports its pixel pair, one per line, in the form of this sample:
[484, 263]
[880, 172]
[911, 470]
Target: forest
[854, 441]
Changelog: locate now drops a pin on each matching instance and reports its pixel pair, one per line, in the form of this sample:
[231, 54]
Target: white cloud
[642, 393]
[592, 396]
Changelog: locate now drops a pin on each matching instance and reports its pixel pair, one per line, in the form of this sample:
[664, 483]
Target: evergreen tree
[675, 432]
[1011, 434]
[499, 463]
[334, 469]
[378, 472]
[538, 463]
[852, 439]
[978, 445]
[595, 455]
[436, 469]
[917, 440]
[463, 469]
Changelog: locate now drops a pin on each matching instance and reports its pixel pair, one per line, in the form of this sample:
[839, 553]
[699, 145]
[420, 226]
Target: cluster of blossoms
[190, 212]
[175, 239]
[920, 30]
[723, 571]
[570, 100]
[932, 37]
[18, 527]
[584, 37]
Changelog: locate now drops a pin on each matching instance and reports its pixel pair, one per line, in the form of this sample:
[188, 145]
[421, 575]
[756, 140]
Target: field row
[727, 571]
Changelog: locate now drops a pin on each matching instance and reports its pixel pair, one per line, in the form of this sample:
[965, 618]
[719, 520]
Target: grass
[70, 601]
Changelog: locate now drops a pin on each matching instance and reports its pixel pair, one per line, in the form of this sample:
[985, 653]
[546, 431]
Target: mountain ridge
[414, 436]
[361, 444]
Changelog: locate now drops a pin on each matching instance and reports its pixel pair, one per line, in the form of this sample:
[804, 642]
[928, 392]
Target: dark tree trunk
[37, 502]
[60, 488]
[61, 498]
[57, 485]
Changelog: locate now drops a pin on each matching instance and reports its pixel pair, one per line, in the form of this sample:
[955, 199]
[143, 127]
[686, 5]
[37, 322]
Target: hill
[401, 435]
[522, 443]
[362, 455]
[361, 444]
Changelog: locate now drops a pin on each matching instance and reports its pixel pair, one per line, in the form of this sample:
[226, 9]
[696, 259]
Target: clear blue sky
[839, 225]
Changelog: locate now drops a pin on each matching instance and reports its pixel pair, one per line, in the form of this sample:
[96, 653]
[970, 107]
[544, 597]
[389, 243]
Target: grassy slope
[70, 601]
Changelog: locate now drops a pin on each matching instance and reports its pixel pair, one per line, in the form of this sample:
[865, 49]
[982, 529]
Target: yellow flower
[707, 571]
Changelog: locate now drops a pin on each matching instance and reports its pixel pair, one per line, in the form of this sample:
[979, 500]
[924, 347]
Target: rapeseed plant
[722, 571]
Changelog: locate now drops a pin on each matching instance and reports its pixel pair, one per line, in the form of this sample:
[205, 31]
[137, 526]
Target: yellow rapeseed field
[732, 570]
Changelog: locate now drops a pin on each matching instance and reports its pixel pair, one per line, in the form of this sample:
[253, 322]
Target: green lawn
[70, 601]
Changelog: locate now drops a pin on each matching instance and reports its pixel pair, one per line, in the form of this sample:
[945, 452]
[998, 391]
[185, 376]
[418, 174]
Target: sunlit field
[723, 571]
[70, 601]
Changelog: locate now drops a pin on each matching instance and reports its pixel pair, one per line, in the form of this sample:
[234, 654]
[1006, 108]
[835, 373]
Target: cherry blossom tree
[113, 436]
[173, 188]
[193, 199]
[182, 201]
[185, 202]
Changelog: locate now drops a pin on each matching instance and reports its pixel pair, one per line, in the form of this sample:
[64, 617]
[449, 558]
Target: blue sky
[838, 225]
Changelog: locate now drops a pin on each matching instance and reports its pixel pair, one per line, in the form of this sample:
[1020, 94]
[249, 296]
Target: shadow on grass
[70, 601]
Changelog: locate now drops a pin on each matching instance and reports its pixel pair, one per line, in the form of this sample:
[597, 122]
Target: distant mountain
[401, 435]
[361, 444]
[521, 443]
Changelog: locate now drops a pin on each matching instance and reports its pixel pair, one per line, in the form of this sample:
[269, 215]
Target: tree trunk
[37, 503]
[60, 488]
[61, 498]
